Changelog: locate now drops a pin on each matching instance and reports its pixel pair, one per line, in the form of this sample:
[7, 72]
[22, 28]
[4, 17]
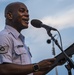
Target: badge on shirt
[20, 46]
[3, 49]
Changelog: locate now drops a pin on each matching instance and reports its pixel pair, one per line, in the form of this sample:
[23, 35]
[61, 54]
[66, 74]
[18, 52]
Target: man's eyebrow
[24, 9]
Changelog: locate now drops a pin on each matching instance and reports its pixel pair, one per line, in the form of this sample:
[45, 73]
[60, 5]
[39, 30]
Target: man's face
[21, 16]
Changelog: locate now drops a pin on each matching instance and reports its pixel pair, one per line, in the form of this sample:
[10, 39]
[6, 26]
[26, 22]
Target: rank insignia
[3, 49]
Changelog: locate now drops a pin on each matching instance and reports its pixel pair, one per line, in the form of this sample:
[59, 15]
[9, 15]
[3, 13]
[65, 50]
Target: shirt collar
[13, 31]
[22, 37]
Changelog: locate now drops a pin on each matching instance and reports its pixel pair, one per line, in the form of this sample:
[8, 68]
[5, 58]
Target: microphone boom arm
[56, 42]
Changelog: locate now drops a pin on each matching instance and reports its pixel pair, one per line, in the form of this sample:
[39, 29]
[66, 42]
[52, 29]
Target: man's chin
[25, 26]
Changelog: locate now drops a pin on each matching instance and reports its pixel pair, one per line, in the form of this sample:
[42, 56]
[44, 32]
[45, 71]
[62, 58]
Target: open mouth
[25, 21]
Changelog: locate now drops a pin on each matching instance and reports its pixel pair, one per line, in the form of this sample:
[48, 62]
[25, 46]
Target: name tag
[20, 46]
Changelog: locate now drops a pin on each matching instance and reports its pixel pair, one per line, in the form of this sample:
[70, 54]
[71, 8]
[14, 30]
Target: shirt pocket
[18, 55]
[20, 50]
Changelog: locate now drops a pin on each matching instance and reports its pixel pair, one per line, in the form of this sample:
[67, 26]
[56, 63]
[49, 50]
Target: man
[15, 58]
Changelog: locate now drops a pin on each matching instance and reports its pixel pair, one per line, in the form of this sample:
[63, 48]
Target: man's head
[17, 16]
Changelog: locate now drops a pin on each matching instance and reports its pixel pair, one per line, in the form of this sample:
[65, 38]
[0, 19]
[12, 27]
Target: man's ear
[9, 15]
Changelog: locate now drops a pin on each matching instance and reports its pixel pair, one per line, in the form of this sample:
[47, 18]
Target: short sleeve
[5, 49]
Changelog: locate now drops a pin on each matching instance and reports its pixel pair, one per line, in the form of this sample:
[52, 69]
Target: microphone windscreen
[36, 23]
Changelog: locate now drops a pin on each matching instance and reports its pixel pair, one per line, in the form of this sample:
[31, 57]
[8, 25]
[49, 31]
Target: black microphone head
[36, 23]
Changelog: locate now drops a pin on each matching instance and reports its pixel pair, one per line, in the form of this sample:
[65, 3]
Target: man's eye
[22, 10]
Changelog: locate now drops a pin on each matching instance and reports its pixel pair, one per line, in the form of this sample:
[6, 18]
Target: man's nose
[26, 14]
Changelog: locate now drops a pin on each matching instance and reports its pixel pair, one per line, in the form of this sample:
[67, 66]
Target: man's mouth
[26, 20]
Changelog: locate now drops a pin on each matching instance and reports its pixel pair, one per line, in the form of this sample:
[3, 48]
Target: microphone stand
[71, 63]
[53, 52]
[68, 69]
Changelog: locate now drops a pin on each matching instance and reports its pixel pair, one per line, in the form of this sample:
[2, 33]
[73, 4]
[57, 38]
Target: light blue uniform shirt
[12, 48]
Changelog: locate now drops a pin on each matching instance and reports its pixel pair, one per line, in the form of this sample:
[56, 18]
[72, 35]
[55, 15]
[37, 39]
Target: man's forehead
[20, 5]
[16, 5]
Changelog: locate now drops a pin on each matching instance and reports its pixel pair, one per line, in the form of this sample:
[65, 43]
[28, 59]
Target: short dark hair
[10, 7]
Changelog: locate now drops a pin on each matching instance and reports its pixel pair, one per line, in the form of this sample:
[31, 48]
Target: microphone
[38, 24]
